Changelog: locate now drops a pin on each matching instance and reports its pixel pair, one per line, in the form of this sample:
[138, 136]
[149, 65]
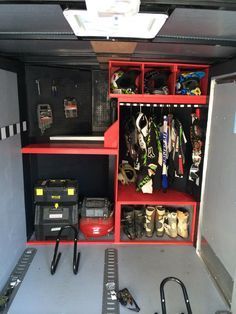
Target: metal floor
[141, 270]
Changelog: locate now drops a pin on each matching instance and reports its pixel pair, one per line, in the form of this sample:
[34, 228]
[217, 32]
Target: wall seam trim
[12, 130]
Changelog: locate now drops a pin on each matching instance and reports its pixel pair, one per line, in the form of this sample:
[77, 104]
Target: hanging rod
[128, 104]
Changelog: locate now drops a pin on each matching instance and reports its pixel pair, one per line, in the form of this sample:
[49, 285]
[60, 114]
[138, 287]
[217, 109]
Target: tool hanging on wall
[45, 118]
[54, 88]
[38, 86]
[71, 107]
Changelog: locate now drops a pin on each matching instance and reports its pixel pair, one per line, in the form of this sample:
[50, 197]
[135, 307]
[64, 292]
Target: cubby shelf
[163, 99]
[69, 148]
[174, 69]
[128, 195]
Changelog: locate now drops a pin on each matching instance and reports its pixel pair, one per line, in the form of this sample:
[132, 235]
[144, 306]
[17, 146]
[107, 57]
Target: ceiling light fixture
[114, 19]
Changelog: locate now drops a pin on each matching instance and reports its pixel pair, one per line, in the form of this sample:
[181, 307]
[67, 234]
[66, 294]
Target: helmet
[189, 83]
[124, 82]
[115, 76]
[155, 82]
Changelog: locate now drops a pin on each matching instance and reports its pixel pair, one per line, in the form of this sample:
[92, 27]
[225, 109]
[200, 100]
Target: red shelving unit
[69, 148]
[163, 99]
[174, 70]
[128, 195]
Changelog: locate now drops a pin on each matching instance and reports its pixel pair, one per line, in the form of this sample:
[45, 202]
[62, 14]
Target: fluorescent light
[111, 7]
[140, 25]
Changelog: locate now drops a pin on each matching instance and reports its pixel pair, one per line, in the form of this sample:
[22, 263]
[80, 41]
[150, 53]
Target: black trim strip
[12, 130]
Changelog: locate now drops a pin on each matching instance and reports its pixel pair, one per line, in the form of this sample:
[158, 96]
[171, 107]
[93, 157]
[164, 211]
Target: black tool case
[49, 218]
[55, 191]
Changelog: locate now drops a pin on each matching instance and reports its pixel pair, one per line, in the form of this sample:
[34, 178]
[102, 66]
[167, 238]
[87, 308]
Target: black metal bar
[216, 4]
[57, 256]
[69, 36]
[162, 293]
[195, 40]
[38, 35]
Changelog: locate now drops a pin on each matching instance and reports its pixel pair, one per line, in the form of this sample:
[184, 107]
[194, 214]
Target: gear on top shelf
[124, 82]
[189, 83]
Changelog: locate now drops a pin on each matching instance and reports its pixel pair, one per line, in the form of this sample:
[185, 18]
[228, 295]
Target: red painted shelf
[69, 148]
[155, 242]
[162, 99]
[80, 242]
[128, 195]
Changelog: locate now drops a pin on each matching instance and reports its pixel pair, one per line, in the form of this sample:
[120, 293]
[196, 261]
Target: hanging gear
[180, 149]
[189, 83]
[155, 82]
[131, 140]
[196, 135]
[144, 182]
[165, 154]
[127, 174]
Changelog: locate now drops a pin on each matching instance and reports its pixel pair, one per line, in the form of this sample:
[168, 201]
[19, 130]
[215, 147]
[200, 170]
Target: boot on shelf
[150, 220]
[170, 224]
[183, 222]
[128, 222]
[139, 222]
[160, 217]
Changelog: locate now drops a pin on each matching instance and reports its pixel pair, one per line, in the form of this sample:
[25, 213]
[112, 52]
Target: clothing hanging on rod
[156, 149]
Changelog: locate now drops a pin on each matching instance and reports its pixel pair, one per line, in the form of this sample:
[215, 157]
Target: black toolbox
[56, 191]
[49, 218]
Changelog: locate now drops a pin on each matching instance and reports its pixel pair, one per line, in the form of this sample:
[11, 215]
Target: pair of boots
[154, 219]
[173, 223]
[133, 222]
[176, 223]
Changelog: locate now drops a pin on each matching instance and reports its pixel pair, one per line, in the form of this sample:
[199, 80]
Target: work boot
[160, 217]
[139, 222]
[170, 224]
[128, 222]
[149, 220]
[183, 221]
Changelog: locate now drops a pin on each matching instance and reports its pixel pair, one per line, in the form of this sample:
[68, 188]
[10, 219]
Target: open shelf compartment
[174, 70]
[108, 147]
[128, 195]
